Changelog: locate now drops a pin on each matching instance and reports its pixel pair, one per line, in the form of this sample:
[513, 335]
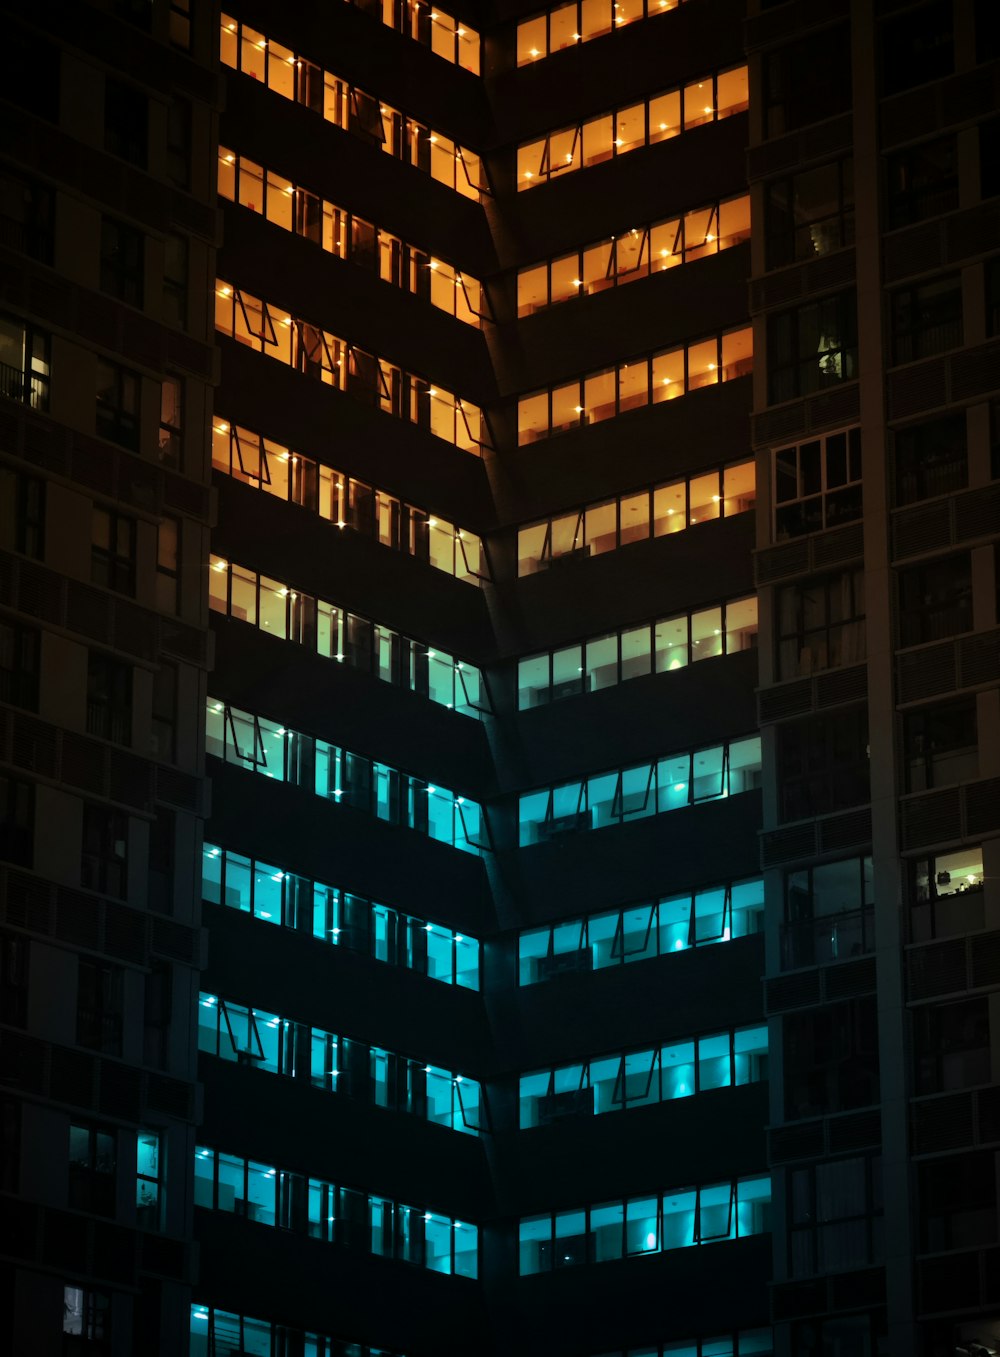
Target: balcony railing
[26, 387]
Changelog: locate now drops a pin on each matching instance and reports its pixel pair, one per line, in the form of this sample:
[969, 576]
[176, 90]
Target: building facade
[551, 968]
[873, 180]
[107, 239]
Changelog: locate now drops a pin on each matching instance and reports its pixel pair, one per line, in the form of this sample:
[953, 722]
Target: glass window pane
[600, 528]
[533, 417]
[630, 128]
[703, 364]
[706, 634]
[606, 1229]
[598, 137]
[602, 663]
[738, 483]
[566, 407]
[673, 782]
[679, 1219]
[669, 504]
[633, 385]
[532, 289]
[635, 652]
[596, 19]
[599, 396]
[668, 375]
[532, 682]
[674, 923]
[670, 645]
[665, 116]
[706, 502]
[741, 624]
[713, 1062]
[737, 354]
[565, 280]
[634, 514]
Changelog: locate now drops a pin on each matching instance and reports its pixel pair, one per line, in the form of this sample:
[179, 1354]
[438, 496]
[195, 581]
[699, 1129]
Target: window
[349, 1068]
[22, 512]
[118, 404]
[168, 563]
[162, 855]
[681, 1069]
[940, 745]
[657, 512]
[86, 1324]
[92, 1169]
[346, 637]
[325, 358]
[620, 796]
[640, 932]
[19, 648]
[105, 851]
[126, 122]
[339, 918]
[344, 778]
[807, 80]
[821, 624]
[935, 600]
[930, 459]
[180, 24]
[569, 24]
[946, 894]
[812, 347]
[630, 386]
[989, 158]
[163, 735]
[148, 1181]
[835, 1216]
[926, 319]
[10, 1143]
[123, 260]
[992, 271]
[917, 46]
[823, 764]
[157, 1011]
[178, 162]
[951, 1046]
[109, 698]
[817, 485]
[26, 216]
[829, 913]
[922, 181]
[668, 644]
[350, 504]
[957, 1199]
[680, 1218]
[623, 130]
[175, 280]
[17, 821]
[831, 1059]
[171, 442]
[24, 363]
[372, 120]
[29, 72]
[14, 961]
[810, 213]
[637, 253]
[353, 1220]
[112, 550]
[99, 1007]
[299, 209]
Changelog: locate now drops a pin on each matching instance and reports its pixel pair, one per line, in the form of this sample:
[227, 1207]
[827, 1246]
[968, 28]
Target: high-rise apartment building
[543, 967]
[107, 239]
[874, 181]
